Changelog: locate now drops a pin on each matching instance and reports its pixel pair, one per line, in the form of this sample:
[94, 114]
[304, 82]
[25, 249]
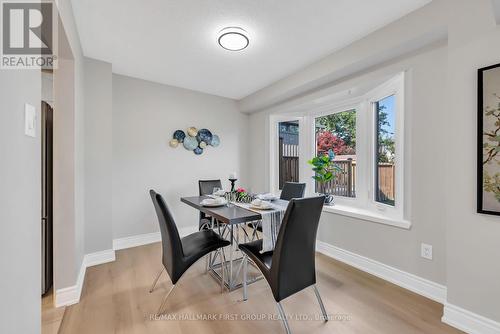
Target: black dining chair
[292, 190]
[290, 268]
[206, 187]
[179, 254]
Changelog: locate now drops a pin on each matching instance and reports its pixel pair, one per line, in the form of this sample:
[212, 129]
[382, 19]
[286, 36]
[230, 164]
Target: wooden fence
[386, 184]
[288, 163]
[344, 183]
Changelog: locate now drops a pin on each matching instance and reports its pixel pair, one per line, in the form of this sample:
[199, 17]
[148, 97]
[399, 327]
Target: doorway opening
[47, 216]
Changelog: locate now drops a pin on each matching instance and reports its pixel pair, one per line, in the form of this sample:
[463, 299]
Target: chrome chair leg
[164, 301]
[211, 257]
[245, 272]
[283, 318]
[222, 265]
[323, 310]
[208, 259]
[156, 280]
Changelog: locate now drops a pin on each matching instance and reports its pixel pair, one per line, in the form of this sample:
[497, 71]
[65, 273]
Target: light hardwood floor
[51, 316]
[115, 299]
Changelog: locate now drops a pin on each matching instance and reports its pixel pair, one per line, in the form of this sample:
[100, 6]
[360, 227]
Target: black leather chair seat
[180, 253]
[262, 260]
[200, 243]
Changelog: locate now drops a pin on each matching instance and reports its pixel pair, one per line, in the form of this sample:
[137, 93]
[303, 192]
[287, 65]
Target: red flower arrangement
[241, 193]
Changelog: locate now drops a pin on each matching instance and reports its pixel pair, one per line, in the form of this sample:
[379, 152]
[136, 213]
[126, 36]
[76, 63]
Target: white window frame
[345, 105]
[394, 87]
[273, 149]
[364, 206]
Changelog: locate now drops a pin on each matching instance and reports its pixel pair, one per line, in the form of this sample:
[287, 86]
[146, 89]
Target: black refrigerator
[47, 216]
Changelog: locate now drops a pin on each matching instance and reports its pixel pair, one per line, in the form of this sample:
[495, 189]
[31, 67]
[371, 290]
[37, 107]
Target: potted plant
[324, 168]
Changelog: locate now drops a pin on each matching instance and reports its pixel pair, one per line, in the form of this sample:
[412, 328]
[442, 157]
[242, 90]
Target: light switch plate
[29, 120]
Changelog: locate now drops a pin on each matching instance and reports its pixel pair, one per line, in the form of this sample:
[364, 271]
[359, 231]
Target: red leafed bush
[327, 140]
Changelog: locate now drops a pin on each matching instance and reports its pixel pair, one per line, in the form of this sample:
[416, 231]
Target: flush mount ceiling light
[233, 38]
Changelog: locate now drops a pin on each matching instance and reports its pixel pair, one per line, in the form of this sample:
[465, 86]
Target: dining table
[231, 222]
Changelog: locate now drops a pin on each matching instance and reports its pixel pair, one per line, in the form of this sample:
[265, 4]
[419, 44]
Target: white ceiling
[174, 42]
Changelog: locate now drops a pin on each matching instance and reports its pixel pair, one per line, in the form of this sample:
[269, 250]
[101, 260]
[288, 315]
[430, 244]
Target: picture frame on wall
[488, 140]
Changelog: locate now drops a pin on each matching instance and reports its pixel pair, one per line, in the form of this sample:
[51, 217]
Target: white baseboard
[136, 240]
[422, 286]
[147, 238]
[469, 322]
[94, 259]
[71, 295]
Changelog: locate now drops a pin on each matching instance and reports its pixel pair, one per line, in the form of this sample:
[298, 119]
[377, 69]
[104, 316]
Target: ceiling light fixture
[233, 39]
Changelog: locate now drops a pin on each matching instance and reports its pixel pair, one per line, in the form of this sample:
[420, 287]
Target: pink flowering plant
[241, 193]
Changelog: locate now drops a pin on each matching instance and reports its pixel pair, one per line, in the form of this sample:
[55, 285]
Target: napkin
[221, 192]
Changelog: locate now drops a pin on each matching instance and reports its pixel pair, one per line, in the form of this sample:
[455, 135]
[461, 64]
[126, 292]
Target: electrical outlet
[426, 251]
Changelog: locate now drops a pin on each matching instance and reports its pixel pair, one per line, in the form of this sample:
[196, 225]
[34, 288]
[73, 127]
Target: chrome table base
[231, 262]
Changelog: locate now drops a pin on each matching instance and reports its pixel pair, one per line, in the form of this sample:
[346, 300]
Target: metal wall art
[195, 140]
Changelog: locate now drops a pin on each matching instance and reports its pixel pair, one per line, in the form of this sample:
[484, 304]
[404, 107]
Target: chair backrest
[293, 263]
[292, 190]
[172, 253]
[207, 186]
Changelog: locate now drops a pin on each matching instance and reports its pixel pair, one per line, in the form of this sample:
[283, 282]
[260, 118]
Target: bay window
[366, 134]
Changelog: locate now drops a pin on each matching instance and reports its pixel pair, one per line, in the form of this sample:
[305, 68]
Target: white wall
[145, 115]
[20, 204]
[20, 195]
[65, 268]
[98, 156]
[69, 143]
[440, 148]
[473, 240]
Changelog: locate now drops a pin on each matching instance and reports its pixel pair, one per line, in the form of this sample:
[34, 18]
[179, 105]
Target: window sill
[366, 215]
